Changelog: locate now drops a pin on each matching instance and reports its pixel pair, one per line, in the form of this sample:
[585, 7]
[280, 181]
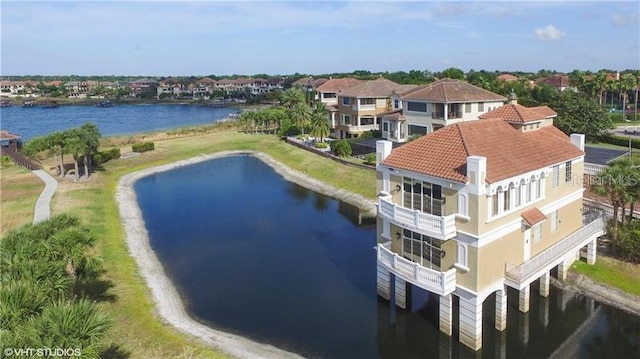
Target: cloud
[452, 9]
[624, 20]
[549, 33]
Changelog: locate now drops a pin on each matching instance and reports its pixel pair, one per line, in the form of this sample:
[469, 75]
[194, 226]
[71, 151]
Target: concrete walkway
[43, 205]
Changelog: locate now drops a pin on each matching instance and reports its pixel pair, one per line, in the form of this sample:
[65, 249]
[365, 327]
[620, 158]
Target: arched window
[463, 207]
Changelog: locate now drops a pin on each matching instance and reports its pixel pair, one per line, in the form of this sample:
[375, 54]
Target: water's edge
[165, 295]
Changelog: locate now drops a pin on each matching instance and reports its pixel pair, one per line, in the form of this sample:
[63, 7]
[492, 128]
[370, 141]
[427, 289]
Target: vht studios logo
[41, 352]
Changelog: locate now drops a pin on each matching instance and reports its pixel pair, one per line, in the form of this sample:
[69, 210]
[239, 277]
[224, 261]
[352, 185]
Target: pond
[264, 258]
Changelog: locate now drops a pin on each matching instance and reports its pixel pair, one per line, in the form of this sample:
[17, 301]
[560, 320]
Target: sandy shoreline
[165, 296]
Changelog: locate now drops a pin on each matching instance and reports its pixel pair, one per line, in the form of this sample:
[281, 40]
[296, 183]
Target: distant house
[557, 81]
[12, 87]
[145, 85]
[428, 108]
[507, 78]
[308, 84]
[360, 105]
[9, 140]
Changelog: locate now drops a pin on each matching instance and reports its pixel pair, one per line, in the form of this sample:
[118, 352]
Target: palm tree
[75, 145]
[301, 115]
[628, 82]
[613, 183]
[319, 122]
[69, 324]
[90, 136]
[292, 97]
[600, 83]
[57, 142]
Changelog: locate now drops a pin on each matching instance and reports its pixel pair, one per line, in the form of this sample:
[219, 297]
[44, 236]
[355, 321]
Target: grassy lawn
[622, 275]
[19, 191]
[138, 333]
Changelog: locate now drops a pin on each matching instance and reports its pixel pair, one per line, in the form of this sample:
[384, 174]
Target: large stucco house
[430, 107]
[359, 106]
[477, 207]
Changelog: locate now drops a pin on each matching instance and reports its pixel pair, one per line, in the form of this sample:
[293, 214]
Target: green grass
[621, 275]
[19, 191]
[138, 331]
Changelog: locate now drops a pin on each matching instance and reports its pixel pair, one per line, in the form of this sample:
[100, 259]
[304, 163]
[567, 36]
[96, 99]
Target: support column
[501, 345]
[544, 285]
[563, 268]
[591, 251]
[471, 322]
[401, 292]
[523, 299]
[446, 302]
[383, 282]
[501, 309]
[444, 350]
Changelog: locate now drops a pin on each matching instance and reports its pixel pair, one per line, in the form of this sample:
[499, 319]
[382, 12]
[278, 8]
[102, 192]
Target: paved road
[43, 205]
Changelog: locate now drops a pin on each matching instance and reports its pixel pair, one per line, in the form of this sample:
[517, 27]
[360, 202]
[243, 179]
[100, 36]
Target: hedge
[142, 147]
[104, 156]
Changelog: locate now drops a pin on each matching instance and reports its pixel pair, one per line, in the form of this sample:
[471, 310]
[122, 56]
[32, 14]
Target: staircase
[19, 159]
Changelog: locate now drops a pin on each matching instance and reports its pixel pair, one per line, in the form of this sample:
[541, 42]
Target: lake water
[259, 256]
[29, 122]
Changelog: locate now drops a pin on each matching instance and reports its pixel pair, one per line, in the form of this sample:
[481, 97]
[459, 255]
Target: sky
[181, 38]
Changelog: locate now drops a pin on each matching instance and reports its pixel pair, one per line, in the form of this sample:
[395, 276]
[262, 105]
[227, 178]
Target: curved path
[165, 295]
[43, 205]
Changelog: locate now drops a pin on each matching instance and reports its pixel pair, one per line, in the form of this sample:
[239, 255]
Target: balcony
[359, 129]
[442, 283]
[552, 256]
[441, 227]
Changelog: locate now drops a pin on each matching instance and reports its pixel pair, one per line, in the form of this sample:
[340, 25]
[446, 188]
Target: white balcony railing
[441, 283]
[593, 168]
[553, 255]
[361, 128]
[441, 227]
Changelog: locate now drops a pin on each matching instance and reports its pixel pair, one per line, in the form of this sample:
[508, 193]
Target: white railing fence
[434, 281]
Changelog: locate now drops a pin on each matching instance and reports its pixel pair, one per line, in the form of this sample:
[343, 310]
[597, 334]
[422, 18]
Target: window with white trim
[345, 101]
[421, 249]
[556, 176]
[385, 126]
[480, 106]
[519, 194]
[367, 101]
[567, 172]
[396, 103]
[467, 107]
[423, 196]
[346, 119]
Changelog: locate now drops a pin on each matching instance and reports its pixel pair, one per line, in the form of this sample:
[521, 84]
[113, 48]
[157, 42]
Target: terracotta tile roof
[380, 87]
[507, 77]
[533, 216]
[555, 80]
[444, 153]
[207, 80]
[448, 90]
[337, 85]
[5, 136]
[305, 81]
[519, 114]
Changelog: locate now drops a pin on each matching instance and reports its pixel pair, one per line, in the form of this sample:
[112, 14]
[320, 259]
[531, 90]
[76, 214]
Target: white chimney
[383, 149]
[577, 139]
[476, 174]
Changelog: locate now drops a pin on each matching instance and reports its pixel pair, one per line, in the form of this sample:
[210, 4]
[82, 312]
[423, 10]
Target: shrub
[321, 145]
[5, 160]
[104, 156]
[341, 148]
[303, 136]
[620, 141]
[370, 159]
[142, 147]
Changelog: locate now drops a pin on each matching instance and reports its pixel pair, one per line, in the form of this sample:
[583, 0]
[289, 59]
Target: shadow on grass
[97, 290]
[114, 351]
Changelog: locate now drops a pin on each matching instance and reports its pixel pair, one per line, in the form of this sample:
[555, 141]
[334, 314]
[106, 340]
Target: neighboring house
[477, 207]
[557, 81]
[12, 87]
[360, 105]
[9, 140]
[507, 78]
[430, 107]
[77, 87]
[327, 93]
[144, 85]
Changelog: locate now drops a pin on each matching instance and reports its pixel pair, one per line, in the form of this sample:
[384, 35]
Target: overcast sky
[182, 38]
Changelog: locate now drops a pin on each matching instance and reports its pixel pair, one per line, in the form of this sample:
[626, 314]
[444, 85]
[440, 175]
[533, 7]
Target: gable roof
[6, 136]
[556, 80]
[379, 87]
[207, 80]
[337, 85]
[444, 153]
[450, 90]
[507, 77]
[520, 114]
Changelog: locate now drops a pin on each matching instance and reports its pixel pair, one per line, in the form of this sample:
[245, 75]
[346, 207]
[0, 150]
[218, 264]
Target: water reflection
[576, 327]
